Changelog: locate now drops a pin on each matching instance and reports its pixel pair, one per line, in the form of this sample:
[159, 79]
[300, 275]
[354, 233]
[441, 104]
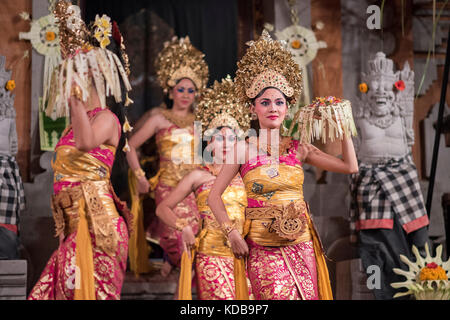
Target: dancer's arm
[91, 134]
[313, 156]
[165, 209]
[150, 127]
[215, 202]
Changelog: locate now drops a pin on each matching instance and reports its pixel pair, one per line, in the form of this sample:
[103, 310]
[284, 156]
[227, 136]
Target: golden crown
[220, 107]
[73, 33]
[180, 59]
[267, 64]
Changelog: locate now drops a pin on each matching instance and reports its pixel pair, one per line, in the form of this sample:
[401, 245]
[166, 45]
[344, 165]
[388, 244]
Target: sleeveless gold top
[176, 151]
[211, 240]
[277, 214]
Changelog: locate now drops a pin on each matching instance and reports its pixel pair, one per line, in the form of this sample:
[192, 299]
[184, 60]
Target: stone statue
[387, 209]
[12, 199]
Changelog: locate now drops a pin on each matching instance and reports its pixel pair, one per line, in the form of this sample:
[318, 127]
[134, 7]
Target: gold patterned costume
[91, 262]
[214, 263]
[286, 260]
[179, 59]
[214, 259]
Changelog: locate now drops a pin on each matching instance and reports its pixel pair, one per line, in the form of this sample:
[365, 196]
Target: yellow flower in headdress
[10, 85]
[104, 43]
[103, 23]
[103, 30]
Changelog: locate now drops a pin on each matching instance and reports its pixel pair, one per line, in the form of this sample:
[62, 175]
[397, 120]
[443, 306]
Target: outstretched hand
[303, 150]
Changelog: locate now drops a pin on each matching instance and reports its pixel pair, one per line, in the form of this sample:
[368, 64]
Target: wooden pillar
[13, 48]
[425, 102]
[327, 67]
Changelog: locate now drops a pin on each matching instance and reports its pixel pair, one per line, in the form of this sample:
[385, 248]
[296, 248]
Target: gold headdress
[180, 59]
[267, 64]
[220, 107]
[85, 54]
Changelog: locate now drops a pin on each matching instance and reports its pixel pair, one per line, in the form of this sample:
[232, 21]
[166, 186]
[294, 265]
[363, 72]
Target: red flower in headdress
[116, 33]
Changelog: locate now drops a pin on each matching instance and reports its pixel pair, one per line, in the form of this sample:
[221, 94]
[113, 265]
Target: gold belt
[213, 242]
[91, 196]
[289, 222]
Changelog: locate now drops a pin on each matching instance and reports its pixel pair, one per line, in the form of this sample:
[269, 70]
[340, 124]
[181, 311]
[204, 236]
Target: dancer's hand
[143, 185]
[188, 237]
[238, 244]
[304, 150]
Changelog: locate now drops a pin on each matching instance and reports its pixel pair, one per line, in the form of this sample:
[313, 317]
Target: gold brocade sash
[138, 250]
[279, 225]
[213, 242]
[87, 206]
[94, 198]
[258, 228]
[185, 280]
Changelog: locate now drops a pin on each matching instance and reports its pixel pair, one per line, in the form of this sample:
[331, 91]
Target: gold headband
[185, 72]
[269, 78]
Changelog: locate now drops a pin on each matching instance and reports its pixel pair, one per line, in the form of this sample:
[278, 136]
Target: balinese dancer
[90, 262]
[285, 258]
[223, 120]
[183, 75]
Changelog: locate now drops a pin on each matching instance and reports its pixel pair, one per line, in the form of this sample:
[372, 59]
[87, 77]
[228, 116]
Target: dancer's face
[222, 143]
[183, 94]
[270, 108]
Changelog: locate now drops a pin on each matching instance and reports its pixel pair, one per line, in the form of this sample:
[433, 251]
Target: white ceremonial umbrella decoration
[44, 37]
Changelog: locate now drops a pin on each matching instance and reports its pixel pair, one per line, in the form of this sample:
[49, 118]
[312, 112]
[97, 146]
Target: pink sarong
[277, 273]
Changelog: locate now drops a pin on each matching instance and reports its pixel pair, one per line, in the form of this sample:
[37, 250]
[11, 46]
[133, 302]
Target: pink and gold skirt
[283, 273]
[57, 281]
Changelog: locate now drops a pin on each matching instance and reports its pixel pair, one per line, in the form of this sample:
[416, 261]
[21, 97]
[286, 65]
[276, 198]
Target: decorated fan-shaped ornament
[301, 42]
[326, 119]
[427, 277]
[303, 45]
[44, 37]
